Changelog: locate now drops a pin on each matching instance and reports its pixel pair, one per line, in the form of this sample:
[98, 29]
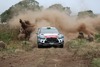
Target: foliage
[88, 13]
[97, 37]
[61, 8]
[7, 34]
[95, 62]
[75, 44]
[22, 6]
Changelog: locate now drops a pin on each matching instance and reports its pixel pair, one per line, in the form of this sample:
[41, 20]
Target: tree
[88, 13]
[61, 8]
[22, 6]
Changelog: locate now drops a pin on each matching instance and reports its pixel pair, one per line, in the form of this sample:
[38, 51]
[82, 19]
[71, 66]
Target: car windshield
[49, 30]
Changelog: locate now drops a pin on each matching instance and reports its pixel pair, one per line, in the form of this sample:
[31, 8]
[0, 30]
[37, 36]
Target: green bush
[7, 34]
[75, 44]
[95, 62]
[97, 37]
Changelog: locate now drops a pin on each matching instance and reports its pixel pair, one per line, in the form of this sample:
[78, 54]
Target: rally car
[49, 36]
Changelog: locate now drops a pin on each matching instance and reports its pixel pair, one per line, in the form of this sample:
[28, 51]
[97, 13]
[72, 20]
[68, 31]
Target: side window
[38, 30]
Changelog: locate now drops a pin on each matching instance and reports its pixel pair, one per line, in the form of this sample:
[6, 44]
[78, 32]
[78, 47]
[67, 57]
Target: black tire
[39, 46]
[61, 46]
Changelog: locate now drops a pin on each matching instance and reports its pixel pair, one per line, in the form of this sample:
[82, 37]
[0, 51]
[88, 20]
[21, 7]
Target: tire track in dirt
[53, 57]
[43, 57]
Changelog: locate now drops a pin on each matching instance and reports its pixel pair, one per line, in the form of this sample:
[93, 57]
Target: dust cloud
[64, 23]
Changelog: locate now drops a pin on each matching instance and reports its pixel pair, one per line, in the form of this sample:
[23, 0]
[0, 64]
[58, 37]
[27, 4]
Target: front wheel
[61, 46]
[39, 46]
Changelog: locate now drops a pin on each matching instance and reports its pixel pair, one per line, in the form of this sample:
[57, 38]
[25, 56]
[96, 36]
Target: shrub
[97, 37]
[7, 34]
[95, 62]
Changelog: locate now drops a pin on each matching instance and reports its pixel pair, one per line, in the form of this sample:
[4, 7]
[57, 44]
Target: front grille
[53, 40]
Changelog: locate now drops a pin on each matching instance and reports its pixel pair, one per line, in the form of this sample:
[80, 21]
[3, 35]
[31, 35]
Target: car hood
[53, 35]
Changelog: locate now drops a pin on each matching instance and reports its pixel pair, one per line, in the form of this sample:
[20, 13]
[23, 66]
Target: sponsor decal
[51, 36]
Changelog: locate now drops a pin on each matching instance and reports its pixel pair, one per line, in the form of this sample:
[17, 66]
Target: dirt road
[44, 57]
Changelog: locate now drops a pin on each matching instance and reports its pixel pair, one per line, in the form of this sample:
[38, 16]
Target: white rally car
[49, 36]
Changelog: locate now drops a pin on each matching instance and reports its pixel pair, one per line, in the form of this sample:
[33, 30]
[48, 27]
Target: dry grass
[79, 47]
[9, 36]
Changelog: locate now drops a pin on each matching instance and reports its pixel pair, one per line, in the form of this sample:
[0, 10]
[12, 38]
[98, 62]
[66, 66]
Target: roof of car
[48, 28]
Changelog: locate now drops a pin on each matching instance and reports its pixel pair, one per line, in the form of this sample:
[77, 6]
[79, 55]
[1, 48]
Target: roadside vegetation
[9, 37]
[85, 49]
[79, 47]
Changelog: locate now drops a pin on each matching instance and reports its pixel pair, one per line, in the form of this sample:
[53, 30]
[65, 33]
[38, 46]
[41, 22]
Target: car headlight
[60, 36]
[41, 37]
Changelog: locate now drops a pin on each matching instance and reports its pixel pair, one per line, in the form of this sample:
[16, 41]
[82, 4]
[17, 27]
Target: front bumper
[50, 44]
